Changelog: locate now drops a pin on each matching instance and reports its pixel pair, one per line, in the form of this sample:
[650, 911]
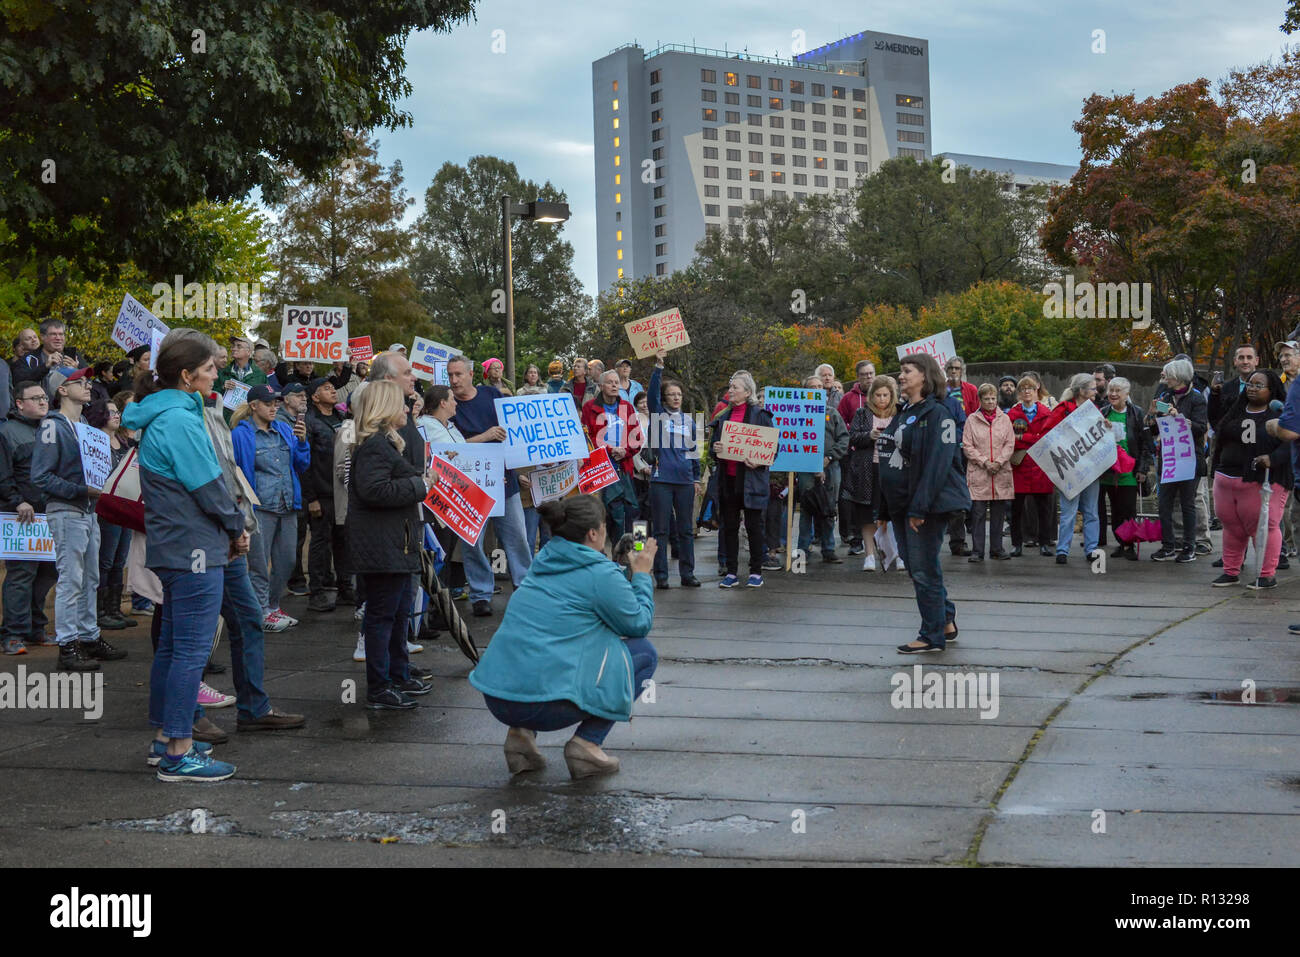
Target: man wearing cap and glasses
[241, 368]
[628, 388]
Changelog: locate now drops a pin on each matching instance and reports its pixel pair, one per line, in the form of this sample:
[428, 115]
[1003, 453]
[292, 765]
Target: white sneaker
[274, 624]
[898, 563]
[288, 621]
[360, 653]
[869, 563]
[413, 649]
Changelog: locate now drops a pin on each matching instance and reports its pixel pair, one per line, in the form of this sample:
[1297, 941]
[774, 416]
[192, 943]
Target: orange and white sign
[663, 330]
[314, 334]
[741, 442]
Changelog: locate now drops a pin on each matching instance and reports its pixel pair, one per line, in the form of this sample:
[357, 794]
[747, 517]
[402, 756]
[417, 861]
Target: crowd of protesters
[233, 491]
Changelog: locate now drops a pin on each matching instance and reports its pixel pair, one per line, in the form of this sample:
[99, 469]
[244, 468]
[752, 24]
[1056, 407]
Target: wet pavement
[1120, 736]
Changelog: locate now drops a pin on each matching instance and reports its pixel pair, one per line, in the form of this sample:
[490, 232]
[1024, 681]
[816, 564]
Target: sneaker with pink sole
[210, 697]
[281, 616]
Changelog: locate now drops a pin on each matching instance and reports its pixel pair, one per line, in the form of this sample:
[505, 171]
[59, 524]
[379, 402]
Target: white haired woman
[1184, 402]
[742, 486]
[1082, 388]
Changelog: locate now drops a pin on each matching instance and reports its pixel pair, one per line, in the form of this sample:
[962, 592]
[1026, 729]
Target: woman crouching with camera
[592, 658]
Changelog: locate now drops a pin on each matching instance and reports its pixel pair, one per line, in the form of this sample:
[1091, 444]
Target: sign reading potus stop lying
[314, 334]
[1077, 450]
[540, 429]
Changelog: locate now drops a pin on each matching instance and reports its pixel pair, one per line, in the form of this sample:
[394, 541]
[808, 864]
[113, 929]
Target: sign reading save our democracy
[799, 415]
[940, 346]
[663, 330]
[1177, 449]
[30, 542]
[314, 334]
[540, 429]
[458, 501]
[740, 441]
[1077, 450]
[484, 462]
[135, 324]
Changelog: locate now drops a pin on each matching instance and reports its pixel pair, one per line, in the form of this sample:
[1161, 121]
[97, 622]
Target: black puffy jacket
[384, 529]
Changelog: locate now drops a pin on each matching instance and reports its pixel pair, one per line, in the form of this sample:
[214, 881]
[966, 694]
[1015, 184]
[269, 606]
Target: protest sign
[30, 542]
[940, 346]
[1177, 449]
[314, 334]
[156, 337]
[1077, 450]
[133, 325]
[551, 482]
[96, 454]
[458, 501]
[426, 352]
[597, 472]
[360, 349]
[663, 330]
[236, 394]
[799, 416]
[540, 429]
[484, 462]
[740, 441]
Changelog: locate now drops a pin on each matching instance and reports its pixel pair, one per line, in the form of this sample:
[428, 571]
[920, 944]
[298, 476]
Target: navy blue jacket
[56, 466]
[670, 441]
[920, 467]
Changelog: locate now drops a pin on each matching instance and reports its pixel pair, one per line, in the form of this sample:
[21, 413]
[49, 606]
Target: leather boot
[106, 620]
[115, 606]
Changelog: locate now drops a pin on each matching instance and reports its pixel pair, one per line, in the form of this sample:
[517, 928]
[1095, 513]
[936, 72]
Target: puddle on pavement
[1231, 696]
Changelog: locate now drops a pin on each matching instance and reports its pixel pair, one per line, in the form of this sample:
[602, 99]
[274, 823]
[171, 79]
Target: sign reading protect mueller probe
[314, 334]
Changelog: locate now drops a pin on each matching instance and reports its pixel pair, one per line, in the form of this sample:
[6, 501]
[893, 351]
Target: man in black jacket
[27, 583]
[1222, 394]
[329, 585]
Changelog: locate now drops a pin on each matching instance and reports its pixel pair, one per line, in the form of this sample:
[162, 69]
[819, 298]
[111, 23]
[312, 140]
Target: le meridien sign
[909, 48]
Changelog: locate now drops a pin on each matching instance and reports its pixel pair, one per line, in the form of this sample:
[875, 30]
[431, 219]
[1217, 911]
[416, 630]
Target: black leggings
[732, 493]
[1042, 505]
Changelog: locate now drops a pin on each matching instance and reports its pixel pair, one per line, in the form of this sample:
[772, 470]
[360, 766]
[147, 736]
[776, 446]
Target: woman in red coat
[1033, 487]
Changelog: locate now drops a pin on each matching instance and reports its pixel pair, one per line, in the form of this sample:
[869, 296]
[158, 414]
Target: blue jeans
[510, 536]
[536, 532]
[673, 508]
[554, 715]
[1086, 500]
[76, 552]
[114, 544]
[920, 553]
[270, 556]
[191, 603]
[388, 606]
[243, 614]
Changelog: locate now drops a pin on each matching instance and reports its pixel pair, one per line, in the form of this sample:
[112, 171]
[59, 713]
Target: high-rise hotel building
[685, 136]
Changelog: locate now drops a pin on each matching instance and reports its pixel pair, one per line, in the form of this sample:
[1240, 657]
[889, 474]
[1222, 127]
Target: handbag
[818, 500]
[121, 503]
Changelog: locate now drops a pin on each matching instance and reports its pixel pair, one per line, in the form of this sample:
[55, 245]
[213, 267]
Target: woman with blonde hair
[385, 534]
[862, 474]
[742, 486]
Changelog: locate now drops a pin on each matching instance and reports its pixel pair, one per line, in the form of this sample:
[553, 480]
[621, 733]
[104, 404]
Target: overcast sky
[1007, 77]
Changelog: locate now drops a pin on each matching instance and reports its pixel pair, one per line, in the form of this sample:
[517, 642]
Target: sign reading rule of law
[314, 334]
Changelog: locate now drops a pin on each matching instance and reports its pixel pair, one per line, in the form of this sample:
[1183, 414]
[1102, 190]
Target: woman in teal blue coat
[572, 647]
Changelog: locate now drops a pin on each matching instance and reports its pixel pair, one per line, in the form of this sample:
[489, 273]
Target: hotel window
[660, 230]
[910, 119]
[618, 159]
[774, 103]
[819, 145]
[616, 142]
[840, 129]
[776, 139]
[618, 216]
[860, 131]
[801, 197]
[915, 102]
[819, 181]
[911, 154]
[801, 179]
[859, 167]
[616, 86]
[618, 235]
[656, 116]
[911, 136]
[733, 156]
[755, 194]
[655, 95]
[710, 116]
[733, 173]
[735, 229]
[711, 209]
[819, 89]
[730, 79]
[819, 109]
[710, 190]
[798, 160]
[620, 275]
[661, 249]
[710, 132]
[799, 142]
[654, 77]
[753, 101]
[796, 106]
[819, 126]
[616, 105]
[777, 159]
[733, 136]
[859, 96]
[618, 179]
[657, 153]
[656, 134]
[620, 254]
[756, 156]
[735, 192]
[616, 122]
[755, 119]
[841, 182]
[708, 76]
[756, 176]
[710, 172]
[661, 269]
[841, 166]
[841, 146]
[709, 96]
[754, 82]
[837, 92]
[796, 86]
[819, 162]
[659, 192]
[659, 173]
[839, 111]
[618, 198]
[735, 212]
[755, 139]
[733, 116]
[796, 124]
[659, 211]
[710, 152]
[774, 84]
[778, 177]
[859, 113]
[776, 122]
[733, 99]
[860, 149]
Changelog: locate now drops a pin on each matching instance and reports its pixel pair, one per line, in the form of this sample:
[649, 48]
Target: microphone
[1275, 406]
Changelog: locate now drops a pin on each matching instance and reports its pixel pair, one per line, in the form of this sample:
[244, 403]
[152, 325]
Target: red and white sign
[940, 346]
[361, 349]
[458, 501]
[597, 472]
[741, 442]
[314, 334]
[663, 330]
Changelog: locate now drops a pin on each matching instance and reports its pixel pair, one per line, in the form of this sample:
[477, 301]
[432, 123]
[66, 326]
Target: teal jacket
[561, 637]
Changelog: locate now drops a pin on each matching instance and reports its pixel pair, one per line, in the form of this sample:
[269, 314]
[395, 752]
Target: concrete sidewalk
[772, 738]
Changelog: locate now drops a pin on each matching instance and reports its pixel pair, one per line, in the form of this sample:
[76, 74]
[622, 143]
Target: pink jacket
[985, 443]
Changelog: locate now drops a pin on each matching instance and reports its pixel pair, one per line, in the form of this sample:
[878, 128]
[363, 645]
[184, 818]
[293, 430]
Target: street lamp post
[537, 211]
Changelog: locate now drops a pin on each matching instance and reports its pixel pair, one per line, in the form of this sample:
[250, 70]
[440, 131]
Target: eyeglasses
[35, 398]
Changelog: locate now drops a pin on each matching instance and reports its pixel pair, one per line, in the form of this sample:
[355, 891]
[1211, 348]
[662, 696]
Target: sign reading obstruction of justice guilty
[484, 462]
[740, 441]
[663, 330]
[540, 429]
[458, 501]
[314, 334]
[135, 324]
[27, 542]
[940, 346]
[799, 415]
[1177, 449]
[1077, 450]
